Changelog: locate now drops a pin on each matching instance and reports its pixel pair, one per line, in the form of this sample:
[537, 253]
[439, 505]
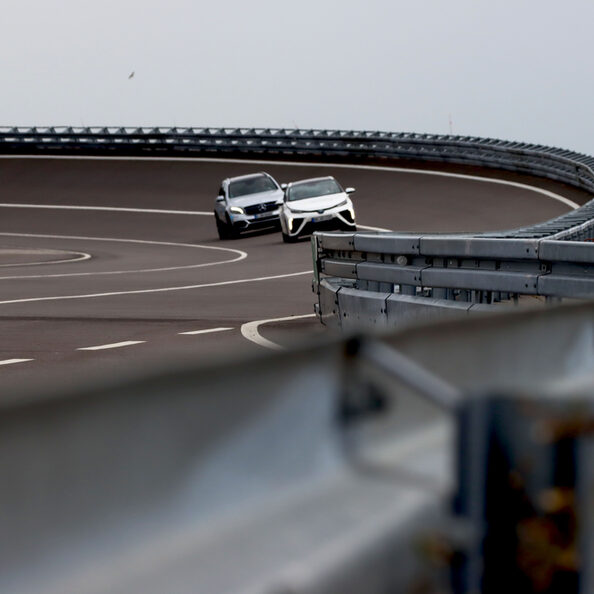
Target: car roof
[311, 179]
[249, 175]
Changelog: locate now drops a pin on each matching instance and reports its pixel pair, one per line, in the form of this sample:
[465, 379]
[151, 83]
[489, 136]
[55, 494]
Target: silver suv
[247, 202]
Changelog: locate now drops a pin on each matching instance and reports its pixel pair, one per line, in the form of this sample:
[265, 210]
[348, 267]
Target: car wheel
[288, 238]
[232, 232]
[222, 229]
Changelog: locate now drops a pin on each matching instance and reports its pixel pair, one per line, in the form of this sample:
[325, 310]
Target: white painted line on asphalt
[157, 290]
[372, 228]
[536, 189]
[136, 210]
[80, 257]
[13, 361]
[114, 345]
[241, 255]
[107, 209]
[207, 331]
[250, 331]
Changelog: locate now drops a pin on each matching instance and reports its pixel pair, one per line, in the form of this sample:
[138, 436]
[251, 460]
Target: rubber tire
[222, 229]
[288, 238]
[232, 233]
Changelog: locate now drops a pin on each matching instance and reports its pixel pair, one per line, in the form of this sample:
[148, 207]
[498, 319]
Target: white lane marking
[136, 210]
[249, 330]
[106, 209]
[536, 189]
[157, 290]
[113, 345]
[208, 331]
[242, 255]
[12, 361]
[372, 228]
[80, 257]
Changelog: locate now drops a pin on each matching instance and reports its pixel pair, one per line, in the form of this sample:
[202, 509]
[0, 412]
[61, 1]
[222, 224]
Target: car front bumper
[306, 223]
[243, 222]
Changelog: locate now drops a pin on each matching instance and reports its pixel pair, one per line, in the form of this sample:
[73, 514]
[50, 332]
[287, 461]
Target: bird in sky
[131, 75]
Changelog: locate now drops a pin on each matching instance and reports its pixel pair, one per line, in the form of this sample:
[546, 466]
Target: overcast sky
[512, 69]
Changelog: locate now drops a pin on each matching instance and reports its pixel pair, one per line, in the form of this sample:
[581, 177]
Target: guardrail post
[525, 475]
[316, 259]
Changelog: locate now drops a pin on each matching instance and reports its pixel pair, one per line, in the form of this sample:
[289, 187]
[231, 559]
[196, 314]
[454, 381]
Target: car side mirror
[220, 198]
[350, 190]
[284, 186]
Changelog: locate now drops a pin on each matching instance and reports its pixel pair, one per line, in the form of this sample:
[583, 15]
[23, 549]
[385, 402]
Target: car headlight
[341, 204]
[236, 210]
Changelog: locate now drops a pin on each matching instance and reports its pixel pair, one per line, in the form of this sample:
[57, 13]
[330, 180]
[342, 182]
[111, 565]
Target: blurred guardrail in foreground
[454, 457]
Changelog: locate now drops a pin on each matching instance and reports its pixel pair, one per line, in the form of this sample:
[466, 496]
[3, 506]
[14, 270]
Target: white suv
[247, 202]
[318, 203]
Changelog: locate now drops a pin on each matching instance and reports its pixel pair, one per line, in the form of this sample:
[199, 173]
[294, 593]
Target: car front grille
[260, 208]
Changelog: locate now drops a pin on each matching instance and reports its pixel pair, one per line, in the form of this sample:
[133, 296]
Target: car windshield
[313, 189]
[250, 185]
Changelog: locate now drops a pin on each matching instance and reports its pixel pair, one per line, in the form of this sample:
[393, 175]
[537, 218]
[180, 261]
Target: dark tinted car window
[321, 187]
[251, 185]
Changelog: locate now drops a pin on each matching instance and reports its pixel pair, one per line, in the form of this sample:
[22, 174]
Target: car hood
[318, 203]
[259, 198]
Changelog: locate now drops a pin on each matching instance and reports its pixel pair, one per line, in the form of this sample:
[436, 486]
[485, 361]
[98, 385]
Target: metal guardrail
[310, 471]
[387, 279]
[171, 481]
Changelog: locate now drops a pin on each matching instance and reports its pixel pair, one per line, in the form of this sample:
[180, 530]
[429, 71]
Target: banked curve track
[145, 281]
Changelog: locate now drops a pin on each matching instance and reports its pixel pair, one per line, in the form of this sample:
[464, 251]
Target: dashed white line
[207, 331]
[13, 361]
[250, 331]
[114, 345]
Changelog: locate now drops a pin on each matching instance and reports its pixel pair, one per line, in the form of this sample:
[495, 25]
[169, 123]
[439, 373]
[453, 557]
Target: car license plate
[322, 218]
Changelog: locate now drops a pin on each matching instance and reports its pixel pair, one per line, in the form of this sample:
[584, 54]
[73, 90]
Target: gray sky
[512, 69]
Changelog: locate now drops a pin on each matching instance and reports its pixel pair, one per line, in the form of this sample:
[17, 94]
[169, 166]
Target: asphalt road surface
[98, 276]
